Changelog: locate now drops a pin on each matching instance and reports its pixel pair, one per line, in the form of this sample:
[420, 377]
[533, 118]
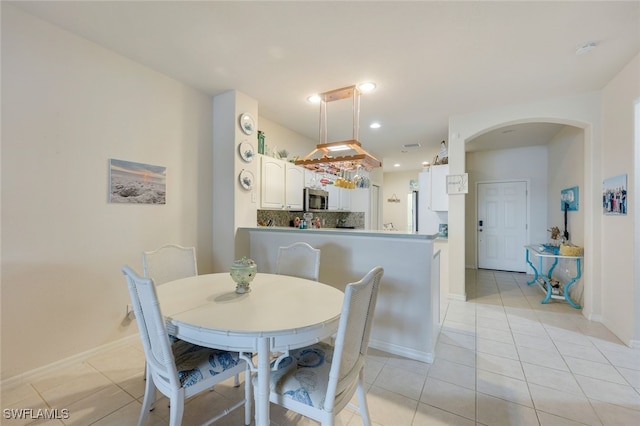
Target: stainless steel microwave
[315, 200]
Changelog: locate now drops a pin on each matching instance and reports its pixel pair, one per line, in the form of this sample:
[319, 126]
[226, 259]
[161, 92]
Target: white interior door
[502, 225]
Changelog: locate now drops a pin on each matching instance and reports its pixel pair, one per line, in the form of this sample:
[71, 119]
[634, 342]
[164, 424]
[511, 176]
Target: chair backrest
[155, 340]
[299, 260]
[354, 330]
[169, 262]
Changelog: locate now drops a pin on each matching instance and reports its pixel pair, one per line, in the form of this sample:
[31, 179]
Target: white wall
[279, 137]
[581, 111]
[233, 206]
[606, 119]
[68, 106]
[397, 183]
[566, 170]
[528, 164]
[621, 293]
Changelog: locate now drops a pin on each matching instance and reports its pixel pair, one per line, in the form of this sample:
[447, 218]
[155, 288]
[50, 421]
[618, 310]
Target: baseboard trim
[595, 318]
[458, 297]
[402, 351]
[28, 376]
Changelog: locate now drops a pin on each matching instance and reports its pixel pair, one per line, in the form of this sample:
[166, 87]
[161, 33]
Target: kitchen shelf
[326, 150]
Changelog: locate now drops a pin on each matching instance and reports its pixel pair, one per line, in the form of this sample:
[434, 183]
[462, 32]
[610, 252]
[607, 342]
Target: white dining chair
[178, 370]
[299, 260]
[318, 381]
[169, 262]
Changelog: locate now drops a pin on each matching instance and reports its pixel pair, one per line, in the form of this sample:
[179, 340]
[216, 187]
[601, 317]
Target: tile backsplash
[328, 219]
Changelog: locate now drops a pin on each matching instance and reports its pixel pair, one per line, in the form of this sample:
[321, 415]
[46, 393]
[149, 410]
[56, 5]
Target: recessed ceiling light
[375, 125]
[396, 165]
[586, 48]
[366, 87]
[314, 99]
[425, 163]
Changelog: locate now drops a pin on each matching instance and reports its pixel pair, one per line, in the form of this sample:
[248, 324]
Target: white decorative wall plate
[246, 179]
[246, 151]
[247, 124]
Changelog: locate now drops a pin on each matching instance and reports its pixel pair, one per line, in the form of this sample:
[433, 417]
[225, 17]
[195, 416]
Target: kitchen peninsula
[407, 316]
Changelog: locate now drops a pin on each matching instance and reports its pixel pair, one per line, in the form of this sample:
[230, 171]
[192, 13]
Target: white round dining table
[279, 313]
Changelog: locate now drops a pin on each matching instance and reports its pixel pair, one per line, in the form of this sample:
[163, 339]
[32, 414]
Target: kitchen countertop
[351, 232]
[407, 317]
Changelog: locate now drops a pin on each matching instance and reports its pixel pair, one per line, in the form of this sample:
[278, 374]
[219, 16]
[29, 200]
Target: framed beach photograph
[614, 195]
[136, 183]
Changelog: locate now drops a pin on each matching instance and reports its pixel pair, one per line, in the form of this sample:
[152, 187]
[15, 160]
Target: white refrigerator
[424, 220]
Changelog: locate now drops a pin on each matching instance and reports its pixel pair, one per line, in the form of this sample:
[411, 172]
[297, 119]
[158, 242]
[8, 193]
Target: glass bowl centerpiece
[243, 271]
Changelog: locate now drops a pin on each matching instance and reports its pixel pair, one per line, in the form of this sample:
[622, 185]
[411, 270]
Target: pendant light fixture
[342, 155]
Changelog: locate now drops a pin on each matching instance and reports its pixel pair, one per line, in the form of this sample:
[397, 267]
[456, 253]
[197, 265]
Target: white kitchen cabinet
[281, 184]
[311, 179]
[344, 204]
[293, 186]
[361, 201]
[439, 196]
[339, 198]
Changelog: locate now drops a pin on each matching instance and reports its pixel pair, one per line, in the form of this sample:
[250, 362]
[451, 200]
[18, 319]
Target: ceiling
[430, 60]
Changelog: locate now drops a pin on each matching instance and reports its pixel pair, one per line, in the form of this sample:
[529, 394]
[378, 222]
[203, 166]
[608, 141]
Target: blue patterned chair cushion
[194, 363]
[304, 374]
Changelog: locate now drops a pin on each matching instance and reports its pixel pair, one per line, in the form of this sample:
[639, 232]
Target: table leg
[568, 286]
[262, 391]
[547, 279]
[555, 262]
[535, 271]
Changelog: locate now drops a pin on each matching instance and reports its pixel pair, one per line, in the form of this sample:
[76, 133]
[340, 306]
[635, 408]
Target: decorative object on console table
[555, 236]
[571, 250]
[243, 271]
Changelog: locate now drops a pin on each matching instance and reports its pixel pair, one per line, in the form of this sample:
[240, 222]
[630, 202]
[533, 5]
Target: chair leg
[247, 396]
[149, 398]
[362, 400]
[329, 421]
[176, 411]
[255, 398]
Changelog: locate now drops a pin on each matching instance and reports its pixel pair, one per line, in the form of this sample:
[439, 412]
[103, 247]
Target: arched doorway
[536, 159]
[580, 112]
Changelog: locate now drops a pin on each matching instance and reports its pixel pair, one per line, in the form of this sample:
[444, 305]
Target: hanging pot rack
[323, 157]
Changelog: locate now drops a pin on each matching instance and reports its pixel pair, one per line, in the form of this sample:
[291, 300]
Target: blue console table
[543, 280]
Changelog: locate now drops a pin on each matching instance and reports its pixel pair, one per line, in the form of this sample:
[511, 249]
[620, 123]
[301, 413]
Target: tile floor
[502, 358]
